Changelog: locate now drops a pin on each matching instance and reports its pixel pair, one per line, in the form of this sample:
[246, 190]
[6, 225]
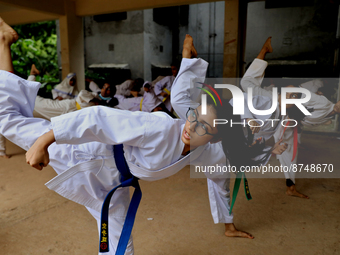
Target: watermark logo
[239, 103]
[238, 99]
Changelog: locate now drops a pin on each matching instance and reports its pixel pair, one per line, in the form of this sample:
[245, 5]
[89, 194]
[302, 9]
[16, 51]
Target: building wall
[157, 44]
[206, 26]
[299, 33]
[127, 36]
[138, 40]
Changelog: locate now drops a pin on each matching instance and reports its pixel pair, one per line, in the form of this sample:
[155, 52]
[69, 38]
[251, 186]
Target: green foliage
[37, 45]
[96, 76]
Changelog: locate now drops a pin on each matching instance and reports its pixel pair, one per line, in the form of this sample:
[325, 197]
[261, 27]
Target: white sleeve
[160, 85]
[55, 94]
[313, 85]
[254, 77]
[219, 198]
[321, 108]
[31, 78]
[131, 104]
[84, 97]
[182, 92]
[94, 87]
[100, 124]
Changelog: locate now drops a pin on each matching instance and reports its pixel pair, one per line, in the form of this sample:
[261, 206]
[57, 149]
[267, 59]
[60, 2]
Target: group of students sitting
[132, 95]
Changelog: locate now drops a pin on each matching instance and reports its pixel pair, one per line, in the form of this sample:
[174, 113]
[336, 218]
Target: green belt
[238, 179]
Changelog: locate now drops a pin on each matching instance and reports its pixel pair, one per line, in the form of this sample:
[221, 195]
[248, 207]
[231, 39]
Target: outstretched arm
[93, 124]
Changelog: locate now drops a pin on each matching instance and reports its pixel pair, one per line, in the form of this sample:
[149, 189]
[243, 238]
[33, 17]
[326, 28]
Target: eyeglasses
[200, 128]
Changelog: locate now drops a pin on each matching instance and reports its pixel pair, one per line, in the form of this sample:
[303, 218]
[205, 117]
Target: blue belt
[127, 180]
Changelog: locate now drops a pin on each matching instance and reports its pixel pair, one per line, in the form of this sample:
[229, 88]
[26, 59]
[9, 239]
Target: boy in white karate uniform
[323, 110]
[163, 87]
[83, 155]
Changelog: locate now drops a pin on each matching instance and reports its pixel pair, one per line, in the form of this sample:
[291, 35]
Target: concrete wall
[155, 37]
[127, 36]
[206, 26]
[138, 40]
[299, 33]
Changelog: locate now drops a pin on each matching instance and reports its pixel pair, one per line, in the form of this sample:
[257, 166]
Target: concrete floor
[35, 220]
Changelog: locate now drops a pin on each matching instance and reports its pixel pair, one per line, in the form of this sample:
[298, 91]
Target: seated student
[103, 97]
[125, 88]
[323, 110]
[67, 89]
[146, 103]
[155, 145]
[131, 103]
[163, 87]
[48, 108]
[151, 103]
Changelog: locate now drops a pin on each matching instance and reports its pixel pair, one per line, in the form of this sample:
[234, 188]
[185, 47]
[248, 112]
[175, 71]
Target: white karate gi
[64, 89]
[313, 85]
[94, 87]
[320, 104]
[129, 104]
[47, 108]
[124, 88]
[85, 165]
[181, 99]
[165, 83]
[150, 101]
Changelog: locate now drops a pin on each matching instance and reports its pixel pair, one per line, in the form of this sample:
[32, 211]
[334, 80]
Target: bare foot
[5, 156]
[328, 122]
[291, 191]
[231, 231]
[8, 32]
[189, 50]
[34, 70]
[267, 46]
[337, 107]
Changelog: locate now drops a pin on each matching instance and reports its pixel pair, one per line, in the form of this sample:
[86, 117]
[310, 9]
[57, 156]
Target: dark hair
[138, 84]
[147, 85]
[113, 88]
[176, 64]
[113, 102]
[296, 114]
[234, 142]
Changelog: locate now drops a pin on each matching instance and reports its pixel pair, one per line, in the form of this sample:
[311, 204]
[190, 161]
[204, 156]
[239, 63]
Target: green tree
[37, 45]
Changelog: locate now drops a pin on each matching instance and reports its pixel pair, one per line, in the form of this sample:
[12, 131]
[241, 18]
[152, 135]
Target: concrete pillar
[72, 44]
[235, 19]
[231, 40]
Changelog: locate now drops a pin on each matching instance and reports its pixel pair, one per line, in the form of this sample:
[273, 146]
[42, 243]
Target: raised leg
[189, 50]
[267, 48]
[7, 37]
